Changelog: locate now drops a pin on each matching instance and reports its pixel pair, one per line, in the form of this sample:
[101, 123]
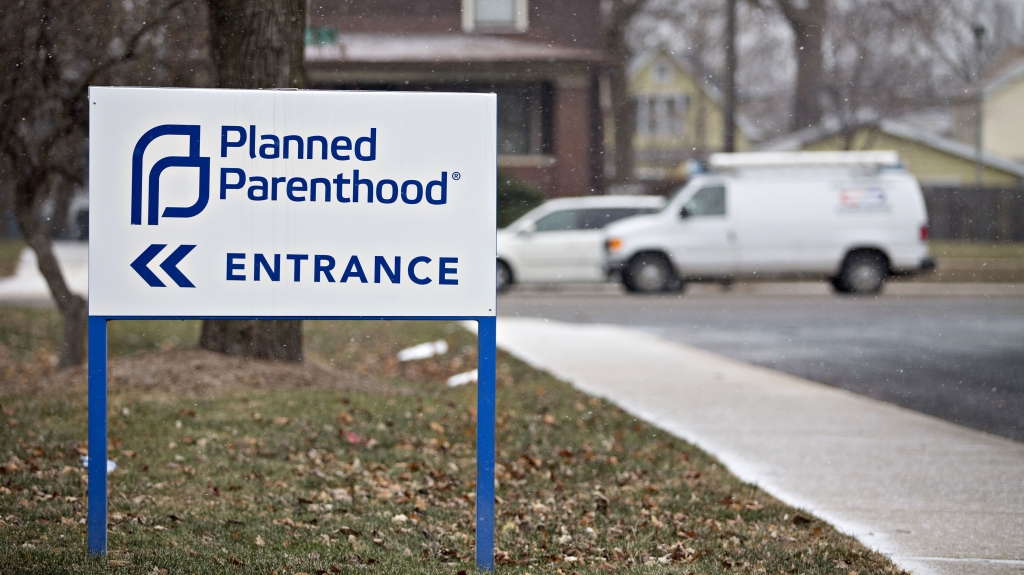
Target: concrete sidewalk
[934, 496]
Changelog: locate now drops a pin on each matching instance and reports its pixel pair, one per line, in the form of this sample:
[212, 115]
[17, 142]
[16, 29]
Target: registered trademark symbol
[456, 175]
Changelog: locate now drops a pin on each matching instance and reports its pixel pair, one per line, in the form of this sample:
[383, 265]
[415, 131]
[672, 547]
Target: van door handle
[731, 236]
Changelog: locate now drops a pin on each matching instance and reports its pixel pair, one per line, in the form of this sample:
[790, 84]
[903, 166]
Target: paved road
[960, 358]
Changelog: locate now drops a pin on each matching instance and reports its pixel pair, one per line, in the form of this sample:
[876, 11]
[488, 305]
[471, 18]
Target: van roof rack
[722, 161]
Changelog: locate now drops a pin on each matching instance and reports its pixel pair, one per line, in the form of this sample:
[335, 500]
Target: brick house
[543, 59]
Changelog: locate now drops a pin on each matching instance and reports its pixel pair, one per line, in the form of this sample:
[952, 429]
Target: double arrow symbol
[169, 265]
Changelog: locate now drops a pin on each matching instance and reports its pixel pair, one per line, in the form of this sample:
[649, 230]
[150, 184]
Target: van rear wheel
[649, 273]
[862, 273]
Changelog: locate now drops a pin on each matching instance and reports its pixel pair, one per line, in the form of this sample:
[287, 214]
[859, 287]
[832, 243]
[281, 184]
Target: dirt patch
[203, 373]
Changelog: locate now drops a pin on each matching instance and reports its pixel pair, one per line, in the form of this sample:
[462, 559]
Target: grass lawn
[273, 479]
[959, 261]
[10, 253]
[962, 249]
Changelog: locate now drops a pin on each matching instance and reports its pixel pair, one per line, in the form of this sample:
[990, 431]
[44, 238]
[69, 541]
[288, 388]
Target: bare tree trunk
[73, 309]
[624, 115]
[278, 339]
[617, 20]
[729, 138]
[257, 45]
[808, 25]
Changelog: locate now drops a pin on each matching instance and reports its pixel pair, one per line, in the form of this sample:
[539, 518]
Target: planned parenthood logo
[192, 160]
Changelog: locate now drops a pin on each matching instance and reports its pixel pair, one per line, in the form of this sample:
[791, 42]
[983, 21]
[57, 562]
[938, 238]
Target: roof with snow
[441, 48]
[832, 126]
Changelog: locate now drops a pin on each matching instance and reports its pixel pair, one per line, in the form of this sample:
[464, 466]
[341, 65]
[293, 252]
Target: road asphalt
[958, 354]
[934, 496]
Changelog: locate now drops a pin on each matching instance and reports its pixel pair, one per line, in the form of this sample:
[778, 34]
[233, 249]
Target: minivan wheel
[838, 285]
[503, 279]
[863, 273]
[649, 273]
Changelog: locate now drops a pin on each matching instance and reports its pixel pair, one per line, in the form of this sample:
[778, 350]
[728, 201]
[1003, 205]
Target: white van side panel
[784, 227]
[806, 226]
[906, 249]
[894, 227]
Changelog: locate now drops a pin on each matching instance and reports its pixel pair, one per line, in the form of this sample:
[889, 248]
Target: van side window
[559, 221]
[707, 202]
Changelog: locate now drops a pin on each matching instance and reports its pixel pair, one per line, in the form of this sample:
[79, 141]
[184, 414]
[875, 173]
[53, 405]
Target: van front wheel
[862, 273]
[649, 273]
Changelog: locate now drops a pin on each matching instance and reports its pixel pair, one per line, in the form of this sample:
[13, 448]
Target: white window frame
[661, 115]
[521, 23]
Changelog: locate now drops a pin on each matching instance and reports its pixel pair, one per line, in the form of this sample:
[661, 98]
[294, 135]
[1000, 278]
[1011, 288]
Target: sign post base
[485, 441]
[485, 436]
[97, 521]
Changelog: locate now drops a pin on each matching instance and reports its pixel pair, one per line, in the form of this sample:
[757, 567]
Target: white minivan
[561, 240]
[852, 218]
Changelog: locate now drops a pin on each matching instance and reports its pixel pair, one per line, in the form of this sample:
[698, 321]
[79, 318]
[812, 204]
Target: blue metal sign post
[485, 432]
[97, 521]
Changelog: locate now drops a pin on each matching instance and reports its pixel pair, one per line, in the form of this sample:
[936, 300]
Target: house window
[524, 119]
[662, 72]
[661, 115]
[495, 15]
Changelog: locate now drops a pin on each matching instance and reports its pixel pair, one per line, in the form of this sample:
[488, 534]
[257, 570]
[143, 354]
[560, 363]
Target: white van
[853, 218]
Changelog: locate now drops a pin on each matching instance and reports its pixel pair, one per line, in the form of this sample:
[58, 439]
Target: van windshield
[684, 191]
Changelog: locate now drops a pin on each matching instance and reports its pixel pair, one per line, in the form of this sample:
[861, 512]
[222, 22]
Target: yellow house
[934, 160]
[678, 118]
[1003, 113]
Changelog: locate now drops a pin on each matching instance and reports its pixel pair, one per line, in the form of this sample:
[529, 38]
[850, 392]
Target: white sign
[277, 203]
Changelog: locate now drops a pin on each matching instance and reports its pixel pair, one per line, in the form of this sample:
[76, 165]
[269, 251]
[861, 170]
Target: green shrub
[515, 198]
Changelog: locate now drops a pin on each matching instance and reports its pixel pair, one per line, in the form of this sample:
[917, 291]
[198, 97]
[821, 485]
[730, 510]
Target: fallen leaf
[503, 558]
[259, 541]
[799, 519]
